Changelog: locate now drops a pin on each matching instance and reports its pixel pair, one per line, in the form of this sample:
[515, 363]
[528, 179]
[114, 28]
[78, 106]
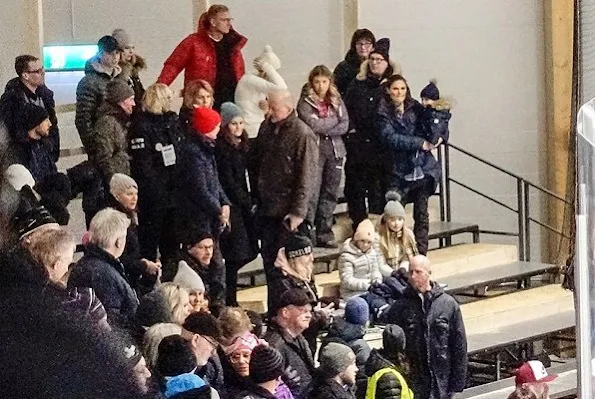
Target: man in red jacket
[213, 53]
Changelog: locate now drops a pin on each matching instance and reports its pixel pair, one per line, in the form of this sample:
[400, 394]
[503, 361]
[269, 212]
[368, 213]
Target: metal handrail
[523, 205]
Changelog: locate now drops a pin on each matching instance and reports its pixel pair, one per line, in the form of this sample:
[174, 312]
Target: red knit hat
[205, 120]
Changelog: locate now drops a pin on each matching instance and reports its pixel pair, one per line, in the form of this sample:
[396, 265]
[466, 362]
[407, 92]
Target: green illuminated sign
[67, 58]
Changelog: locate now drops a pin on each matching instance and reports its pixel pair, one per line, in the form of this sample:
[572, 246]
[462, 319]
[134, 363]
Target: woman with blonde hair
[322, 108]
[178, 301]
[196, 94]
[154, 144]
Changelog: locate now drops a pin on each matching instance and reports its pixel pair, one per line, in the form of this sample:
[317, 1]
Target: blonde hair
[332, 96]
[153, 338]
[157, 99]
[50, 246]
[177, 298]
[234, 321]
[191, 91]
[107, 226]
[523, 392]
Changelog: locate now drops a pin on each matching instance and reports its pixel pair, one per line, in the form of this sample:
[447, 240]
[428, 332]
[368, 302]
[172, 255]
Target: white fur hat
[270, 57]
[18, 176]
[188, 278]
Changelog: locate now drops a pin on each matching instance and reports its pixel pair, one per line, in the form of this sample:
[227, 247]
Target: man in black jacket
[292, 318]
[362, 43]
[29, 88]
[335, 377]
[435, 335]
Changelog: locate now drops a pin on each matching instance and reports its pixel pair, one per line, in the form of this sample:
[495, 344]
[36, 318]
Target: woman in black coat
[240, 245]
[155, 141]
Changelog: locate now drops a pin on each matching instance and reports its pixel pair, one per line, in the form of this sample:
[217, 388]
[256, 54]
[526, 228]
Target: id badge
[169, 155]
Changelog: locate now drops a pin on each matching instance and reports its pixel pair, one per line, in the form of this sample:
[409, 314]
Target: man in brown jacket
[284, 163]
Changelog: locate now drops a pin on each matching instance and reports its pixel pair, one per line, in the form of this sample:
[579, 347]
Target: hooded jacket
[90, 93]
[347, 69]
[388, 386]
[15, 95]
[357, 270]
[436, 341]
[196, 56]
[110, 141]
[324, 387]
[130, 73]
[434, 121]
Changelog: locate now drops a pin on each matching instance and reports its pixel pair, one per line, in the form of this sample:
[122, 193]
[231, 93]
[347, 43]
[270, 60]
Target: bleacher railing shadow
[522, 210]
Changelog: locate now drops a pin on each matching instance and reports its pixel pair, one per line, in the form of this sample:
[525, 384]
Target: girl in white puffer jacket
[360, 264]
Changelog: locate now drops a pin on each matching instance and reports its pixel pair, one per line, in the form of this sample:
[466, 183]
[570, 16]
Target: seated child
[360, 263]
[396, 243]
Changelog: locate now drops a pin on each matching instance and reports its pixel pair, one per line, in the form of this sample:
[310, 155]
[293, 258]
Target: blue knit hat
[357, 311]
[229, 111]
[431, 91]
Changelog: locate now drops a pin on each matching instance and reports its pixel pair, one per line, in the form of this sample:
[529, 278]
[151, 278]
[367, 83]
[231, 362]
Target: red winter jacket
[196, 55]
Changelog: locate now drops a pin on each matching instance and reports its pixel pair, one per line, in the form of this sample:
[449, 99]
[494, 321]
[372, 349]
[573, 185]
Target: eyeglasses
[211, 341]
[376, 59]
[363, 44]
[40, 70]
[206, 247]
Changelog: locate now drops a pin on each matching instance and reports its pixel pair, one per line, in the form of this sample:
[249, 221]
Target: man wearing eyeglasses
[213, 54]
[29, 88]
[362, 43]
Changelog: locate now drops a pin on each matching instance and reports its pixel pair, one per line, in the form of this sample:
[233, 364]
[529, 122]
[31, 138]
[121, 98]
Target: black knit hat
[107, 44]
[30, 214]
[266, 364]
[152, 309]
[193, 236]
[382, 47]
[203, 323]
[393, 339]
[32, 115]
[431, 91]
[297, 245]
[174, 357]
[362, 34]
[294, 296]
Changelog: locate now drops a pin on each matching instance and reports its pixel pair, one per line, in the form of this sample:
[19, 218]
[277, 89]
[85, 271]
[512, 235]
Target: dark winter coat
[327, 388]
[35, 155]
[90, 93]
[279, 284]
[436, 341]
[362, 99]
[15, 95]
[148, 134]
[197, 57]
[434, 121]
[401, 137]
[131, 74]
[105, 274]
[334, 125]
[240, 245]
[110, 141]
[347, 70]
[297, 355]
[199, 195]
[213, 287]
[253, 391]
[388, 386]
[284, 163]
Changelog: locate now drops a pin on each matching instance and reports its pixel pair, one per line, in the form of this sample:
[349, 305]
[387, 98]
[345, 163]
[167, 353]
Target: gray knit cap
[229, 111]
[334, 358]
[118, 90]
[393, 208]
[122, 37]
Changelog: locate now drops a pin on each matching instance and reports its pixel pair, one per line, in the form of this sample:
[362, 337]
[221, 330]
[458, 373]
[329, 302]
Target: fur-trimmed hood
[133, 68]
[93, 65]
[364, 70]
[444, 104]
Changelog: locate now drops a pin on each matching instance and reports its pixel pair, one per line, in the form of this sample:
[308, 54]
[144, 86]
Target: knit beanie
[120, 183]
[118, 90]
[152, 309]
[382, 47]
[30, 214]
[175, 357]
[431, 91]
[269, 56]
[334, 358]
[297, 245]
[365, 231]
[246, 341]
[205, 120]
[203, 323]
[357, 311]
[266, 364]
[18, 176]
[188, 278]
[393, 339]
[229, 111]
[122, 37]
[107, 44]
[393, 208]
[32, 115]
[132, 354]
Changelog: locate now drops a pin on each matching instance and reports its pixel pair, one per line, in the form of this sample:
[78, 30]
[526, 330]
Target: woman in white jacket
[251, 91]
[360, 264]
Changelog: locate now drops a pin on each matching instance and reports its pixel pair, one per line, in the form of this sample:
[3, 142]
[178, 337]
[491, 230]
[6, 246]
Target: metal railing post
[521, 217]
[527, 221]
[441, 183]
[447, 182]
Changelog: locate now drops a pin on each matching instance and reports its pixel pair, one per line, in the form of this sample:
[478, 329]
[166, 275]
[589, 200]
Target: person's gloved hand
[291, 377]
